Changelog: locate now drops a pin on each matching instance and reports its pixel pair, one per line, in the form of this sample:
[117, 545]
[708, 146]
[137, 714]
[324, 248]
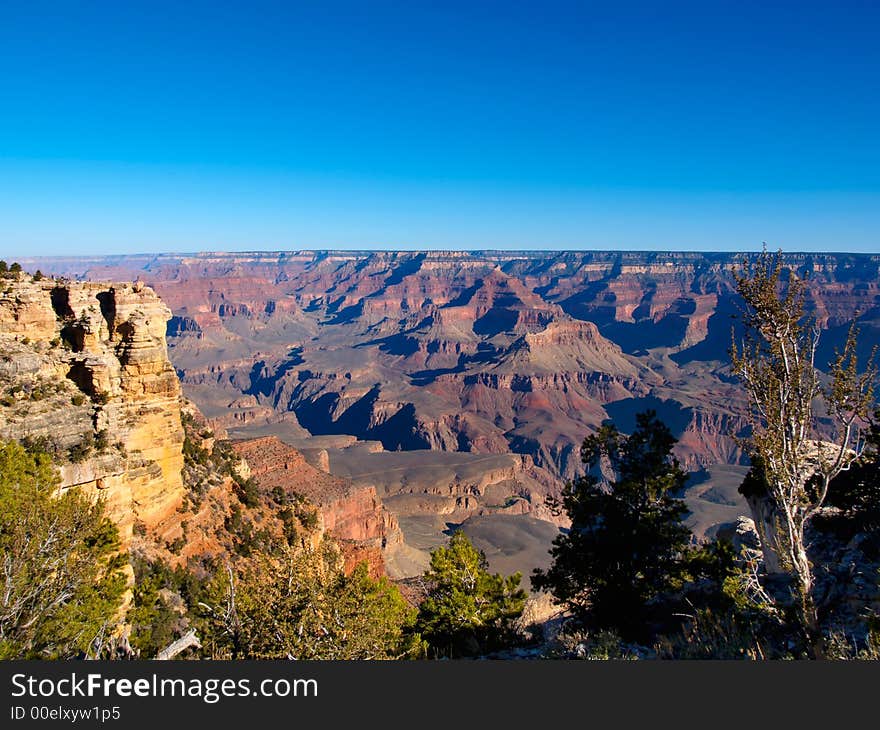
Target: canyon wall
[85, 373]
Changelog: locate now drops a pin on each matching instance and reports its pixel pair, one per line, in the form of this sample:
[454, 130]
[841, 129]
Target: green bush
[303, 606]
[63, 579]
[289, 522]
[194, 454]
[245, 542]
[81, 450]
[40, 445]
[102, 440]
[307, 515]
[248, 492]
[176, 545]
[155, 621]
[468, 610]
[278, 495]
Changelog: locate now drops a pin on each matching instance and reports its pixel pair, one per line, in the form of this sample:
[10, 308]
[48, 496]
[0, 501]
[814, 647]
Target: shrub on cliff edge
[299, 604]
[627, 546]
[63, 582]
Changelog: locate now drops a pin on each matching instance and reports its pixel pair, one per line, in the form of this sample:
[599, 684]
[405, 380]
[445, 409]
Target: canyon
[458, 386]
[85, 376]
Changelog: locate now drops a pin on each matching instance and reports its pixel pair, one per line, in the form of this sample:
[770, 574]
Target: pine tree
[626, 546]
[468, 610]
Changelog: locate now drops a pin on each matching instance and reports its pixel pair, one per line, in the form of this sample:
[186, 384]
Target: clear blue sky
[187, 126]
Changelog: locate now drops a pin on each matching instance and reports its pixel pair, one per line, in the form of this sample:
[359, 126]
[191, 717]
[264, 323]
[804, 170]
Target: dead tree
[188, 641]
[776, 363]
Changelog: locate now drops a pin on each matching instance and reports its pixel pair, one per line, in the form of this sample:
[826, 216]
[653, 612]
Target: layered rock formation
[352, 514]
[483, 353]
[86, 374]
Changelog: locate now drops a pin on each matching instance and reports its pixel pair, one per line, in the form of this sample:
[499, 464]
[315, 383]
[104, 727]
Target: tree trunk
[766, 519]
[808, 614]
[774, 538]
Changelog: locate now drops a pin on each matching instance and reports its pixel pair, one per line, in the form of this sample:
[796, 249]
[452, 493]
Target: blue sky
[128, 127]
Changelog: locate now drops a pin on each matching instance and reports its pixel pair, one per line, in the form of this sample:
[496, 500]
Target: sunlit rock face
[86, 369]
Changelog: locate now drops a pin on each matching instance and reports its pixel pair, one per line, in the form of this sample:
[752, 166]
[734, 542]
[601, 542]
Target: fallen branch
[189, 639]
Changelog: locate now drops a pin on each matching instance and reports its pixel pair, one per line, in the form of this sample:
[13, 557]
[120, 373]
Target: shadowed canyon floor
[460, 385]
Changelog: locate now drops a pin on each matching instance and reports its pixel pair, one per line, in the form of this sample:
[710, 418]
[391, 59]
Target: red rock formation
[353, 515]
[482, 351]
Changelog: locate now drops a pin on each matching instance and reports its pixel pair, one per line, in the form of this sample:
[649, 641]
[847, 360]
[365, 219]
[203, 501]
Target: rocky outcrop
[710, 438]
[352, 514]
[85, 373]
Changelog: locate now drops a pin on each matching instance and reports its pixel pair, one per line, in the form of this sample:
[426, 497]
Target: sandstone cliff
[85, 373]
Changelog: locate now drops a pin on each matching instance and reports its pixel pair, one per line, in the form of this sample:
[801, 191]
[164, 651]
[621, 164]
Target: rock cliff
[85, 373]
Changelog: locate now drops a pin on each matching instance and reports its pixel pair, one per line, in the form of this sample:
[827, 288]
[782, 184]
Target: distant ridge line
[436, 253]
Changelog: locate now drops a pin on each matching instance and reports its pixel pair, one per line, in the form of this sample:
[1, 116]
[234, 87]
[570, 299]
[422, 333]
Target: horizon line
[486, 251]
